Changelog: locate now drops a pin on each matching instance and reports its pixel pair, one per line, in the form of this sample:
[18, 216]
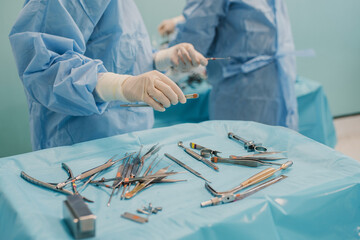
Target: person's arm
[167, 26]
[201, 19]
[49, 41]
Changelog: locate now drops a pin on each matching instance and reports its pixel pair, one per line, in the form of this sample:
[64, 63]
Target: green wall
[331, 28]
[14, 120]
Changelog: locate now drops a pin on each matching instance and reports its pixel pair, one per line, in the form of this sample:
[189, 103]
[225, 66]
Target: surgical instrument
[134, 217]
[198, 157]
[135, 179]
[235, 197]
[250, 146]
[265, 174]
[90, 172]
[187, 96]
[244, 162]
[115, 183]
[205, 152]
[185, 166]
[48, 185]
[218, 58]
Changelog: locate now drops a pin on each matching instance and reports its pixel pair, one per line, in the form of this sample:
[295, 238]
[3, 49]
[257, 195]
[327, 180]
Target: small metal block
[78, 217]
[134, 217]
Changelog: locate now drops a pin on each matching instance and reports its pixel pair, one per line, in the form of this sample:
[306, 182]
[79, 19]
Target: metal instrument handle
[43, 184]
[236, 137]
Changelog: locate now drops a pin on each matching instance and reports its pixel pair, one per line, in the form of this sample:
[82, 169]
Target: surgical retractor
[249, 146]
[198, 157]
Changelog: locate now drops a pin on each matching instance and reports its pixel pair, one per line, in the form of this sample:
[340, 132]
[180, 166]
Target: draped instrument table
[315, 119]
[320, 199]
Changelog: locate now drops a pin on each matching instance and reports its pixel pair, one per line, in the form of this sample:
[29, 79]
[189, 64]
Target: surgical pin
[198, 157]
[250, 146]
[187, 96]
[185, 166]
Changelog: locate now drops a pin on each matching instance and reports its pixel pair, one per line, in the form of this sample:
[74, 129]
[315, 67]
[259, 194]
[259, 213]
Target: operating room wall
[330, 27]
[14, 120]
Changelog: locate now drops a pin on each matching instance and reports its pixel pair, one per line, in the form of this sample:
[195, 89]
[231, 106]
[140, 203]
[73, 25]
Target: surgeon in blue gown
[257, 84]
[80, 60]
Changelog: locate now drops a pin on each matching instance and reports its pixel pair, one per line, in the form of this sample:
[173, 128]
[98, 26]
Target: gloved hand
[153, 87]
[181, 57]
[167, 26]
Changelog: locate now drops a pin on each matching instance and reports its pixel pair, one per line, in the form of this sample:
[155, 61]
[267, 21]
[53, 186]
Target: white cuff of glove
[109, 87]
[162, 60]
[178, 19]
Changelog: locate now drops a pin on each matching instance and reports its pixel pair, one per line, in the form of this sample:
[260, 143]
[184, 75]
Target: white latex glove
[181, 57]
[167, 26]
[153, 87]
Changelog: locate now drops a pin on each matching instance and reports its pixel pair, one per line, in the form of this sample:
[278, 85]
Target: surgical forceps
[253, 160]
[250, 146]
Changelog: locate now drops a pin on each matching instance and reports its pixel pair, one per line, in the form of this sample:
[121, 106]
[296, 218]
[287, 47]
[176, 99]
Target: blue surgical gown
[257, 84]
[60, 46]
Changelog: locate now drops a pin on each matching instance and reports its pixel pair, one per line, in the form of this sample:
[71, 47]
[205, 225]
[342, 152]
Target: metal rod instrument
[185, 166]
[218, 58]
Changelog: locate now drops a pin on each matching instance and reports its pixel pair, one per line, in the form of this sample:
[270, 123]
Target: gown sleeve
[49, 41]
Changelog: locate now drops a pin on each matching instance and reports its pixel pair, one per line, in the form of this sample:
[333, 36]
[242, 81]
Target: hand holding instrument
[198, 157]
[227, 198]
[249, 146]
[187, 96]
[185, 166]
